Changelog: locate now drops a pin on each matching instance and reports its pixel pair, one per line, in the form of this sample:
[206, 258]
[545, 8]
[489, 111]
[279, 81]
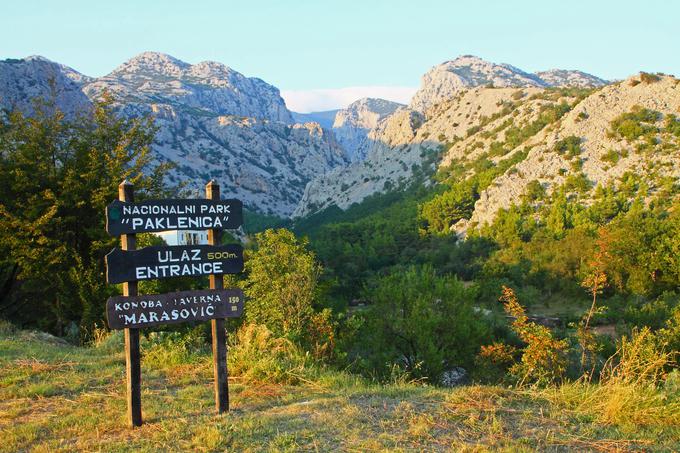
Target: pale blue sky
[305, 45]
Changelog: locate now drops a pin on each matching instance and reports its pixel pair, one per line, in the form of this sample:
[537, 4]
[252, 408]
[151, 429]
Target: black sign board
[184, 306]
[163, 215]
[176, 261]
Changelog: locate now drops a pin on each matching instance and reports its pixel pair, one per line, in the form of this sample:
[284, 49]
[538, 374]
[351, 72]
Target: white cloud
[305, 101]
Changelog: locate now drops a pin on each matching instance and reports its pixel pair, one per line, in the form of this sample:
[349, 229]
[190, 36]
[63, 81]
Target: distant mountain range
[213, 122]
[216, 123]
[325, 119]
[443, 81]
[474, 114]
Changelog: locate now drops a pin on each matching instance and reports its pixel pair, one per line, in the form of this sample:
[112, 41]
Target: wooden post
[219, 333]
[132, 357]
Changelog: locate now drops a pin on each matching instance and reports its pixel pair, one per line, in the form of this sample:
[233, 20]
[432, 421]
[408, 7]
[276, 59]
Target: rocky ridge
[454, 97]
[24, 80]
[478, 123]
[353, 123]
[570, 78]
[208, 88]
[212, 122]
[445, 80]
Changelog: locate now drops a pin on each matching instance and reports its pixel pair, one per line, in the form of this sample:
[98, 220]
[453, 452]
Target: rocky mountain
[534, 133]
[572, 78]
[208, 88]
[444, 81]
[213, 122]
[325, 118]
[352, 124]
[23, 80]
[625, 128]
[216, 123]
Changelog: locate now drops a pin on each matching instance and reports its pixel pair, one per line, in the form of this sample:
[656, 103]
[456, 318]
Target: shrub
[648, 78]
[612, 156]
[634, 124]
[578, 183]
[672, 125]
[167, 349]
[543, 358]
[571, 146]
[281, 283]
[534, 191]
[422, 322]
[642, 358]
[257, 355]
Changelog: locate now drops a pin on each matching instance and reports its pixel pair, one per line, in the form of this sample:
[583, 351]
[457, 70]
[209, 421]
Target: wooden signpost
[127, 265]
[155, 309]
[163, 215]
[176, 261]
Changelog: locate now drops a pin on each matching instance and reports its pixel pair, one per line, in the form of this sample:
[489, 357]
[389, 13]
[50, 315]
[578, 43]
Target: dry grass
[56, 397]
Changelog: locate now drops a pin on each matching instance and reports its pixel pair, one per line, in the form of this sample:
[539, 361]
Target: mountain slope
[587, 144]
[212, 122]
[352, 124]
[23, 80]
[207, 87]
[522, 132]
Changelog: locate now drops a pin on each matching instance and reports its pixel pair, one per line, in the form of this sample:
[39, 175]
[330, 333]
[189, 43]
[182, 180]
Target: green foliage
[534, 191]
[578, 182]
[672, 125]
[420, 321]
[256, 355]
[569, 146]
[56, 177]
[281, 285]
[447, 208]
[543, 358]
[634, 124]
[613, 156]
[168, 349]
[438, 214]
[255, 222]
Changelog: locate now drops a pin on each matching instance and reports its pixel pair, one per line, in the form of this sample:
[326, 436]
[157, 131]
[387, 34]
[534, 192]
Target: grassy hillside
[58, 397]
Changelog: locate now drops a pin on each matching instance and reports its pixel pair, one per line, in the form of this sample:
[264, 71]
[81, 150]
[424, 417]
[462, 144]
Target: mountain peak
[156, 62]
[38, 58]
[445, 80]
[353, 123]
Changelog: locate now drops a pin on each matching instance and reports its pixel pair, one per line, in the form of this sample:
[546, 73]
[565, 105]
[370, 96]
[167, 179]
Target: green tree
[281, 286]
[56, 177]
[449, 207]
[421, 321]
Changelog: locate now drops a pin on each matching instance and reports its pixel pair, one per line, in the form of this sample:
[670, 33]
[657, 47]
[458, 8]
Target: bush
[634, 124]
[257, 355]
[281, 285]
[167, 349]
[641, 359]
[648, 78]
[571, 146]
[543, 359]
[612, 156]
[422, 322]
[534, 191]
